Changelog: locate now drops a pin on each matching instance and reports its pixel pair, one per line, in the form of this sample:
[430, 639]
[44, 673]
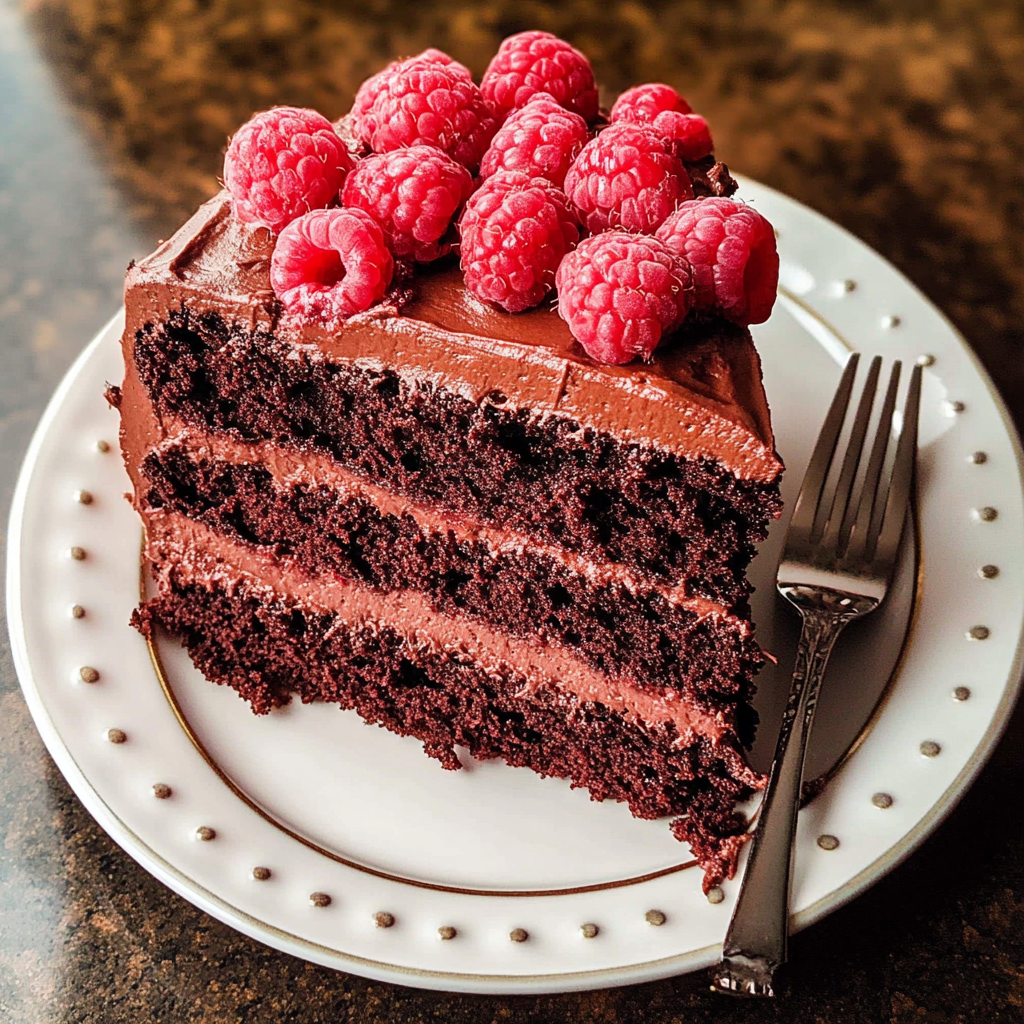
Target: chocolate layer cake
[454, 521]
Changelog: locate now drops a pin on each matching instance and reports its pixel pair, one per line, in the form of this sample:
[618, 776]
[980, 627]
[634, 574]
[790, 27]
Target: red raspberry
[283, 163]
[414, 195]
[687, 135]
[668, 114]
[425, 103]
[515, 231]
[626, 177]
[330, 264]
[643, 103]
[532, 62]
[619, 293]
[373, 86]
[541, 140]
[731, 249]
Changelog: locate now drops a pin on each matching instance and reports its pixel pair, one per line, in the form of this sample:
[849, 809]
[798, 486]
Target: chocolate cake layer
[652, 636]
[268, 647]
[549, 478]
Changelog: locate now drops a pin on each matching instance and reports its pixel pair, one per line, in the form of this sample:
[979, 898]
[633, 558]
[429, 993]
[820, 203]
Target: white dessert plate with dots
[343, 844]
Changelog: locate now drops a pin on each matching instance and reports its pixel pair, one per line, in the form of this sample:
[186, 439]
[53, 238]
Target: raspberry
[626, 177]
[282, 163]
[731, 249]
[515, 231]
[619, 293]
[669, 115]
[541, 140]
[375, 84]
[330, 264]
[687, 135]
[414, 195]
[532, 62]
[643, 103]
[422, 102]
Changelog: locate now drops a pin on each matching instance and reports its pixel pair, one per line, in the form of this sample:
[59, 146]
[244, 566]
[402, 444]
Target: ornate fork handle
[756, 943]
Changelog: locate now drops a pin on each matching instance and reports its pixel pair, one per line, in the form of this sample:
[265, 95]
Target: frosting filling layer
[176, 544]
[291, 468]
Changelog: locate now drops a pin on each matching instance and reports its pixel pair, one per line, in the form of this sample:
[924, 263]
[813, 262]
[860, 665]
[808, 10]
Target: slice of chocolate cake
[455, 521]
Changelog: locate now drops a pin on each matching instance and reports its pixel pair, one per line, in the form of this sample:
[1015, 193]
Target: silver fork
[838, 561]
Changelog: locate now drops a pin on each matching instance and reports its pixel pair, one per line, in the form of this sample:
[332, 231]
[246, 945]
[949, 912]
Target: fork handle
[755, 945]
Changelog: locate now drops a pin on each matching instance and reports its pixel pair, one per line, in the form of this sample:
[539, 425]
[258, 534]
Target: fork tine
[834, 535]
[881, 498]
[869, 508]
[902, 477]
[806, 508]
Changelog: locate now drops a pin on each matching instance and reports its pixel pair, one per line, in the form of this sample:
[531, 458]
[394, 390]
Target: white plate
[333, 806]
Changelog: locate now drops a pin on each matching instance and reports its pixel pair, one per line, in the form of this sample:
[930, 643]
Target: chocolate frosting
[700, 397]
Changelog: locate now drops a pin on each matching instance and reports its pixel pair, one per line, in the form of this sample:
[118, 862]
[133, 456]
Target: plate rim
[180, 882]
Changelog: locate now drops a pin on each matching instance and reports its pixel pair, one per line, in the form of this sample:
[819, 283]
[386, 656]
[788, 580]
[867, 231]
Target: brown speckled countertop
[901, 119]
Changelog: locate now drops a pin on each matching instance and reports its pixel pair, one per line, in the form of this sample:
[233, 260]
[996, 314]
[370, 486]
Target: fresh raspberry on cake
[423, 102]
[620, 293]
[669, 115]
[414, 194]
[532, 62]
[540, 140]
[375, 84]
[283, 163]
[731, 250]
[331, 264]
[515, 231]
[687, 135]
[643, 103]
[628, 178]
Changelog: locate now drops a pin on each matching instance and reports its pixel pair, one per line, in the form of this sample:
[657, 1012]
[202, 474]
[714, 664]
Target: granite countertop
[901, 119]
